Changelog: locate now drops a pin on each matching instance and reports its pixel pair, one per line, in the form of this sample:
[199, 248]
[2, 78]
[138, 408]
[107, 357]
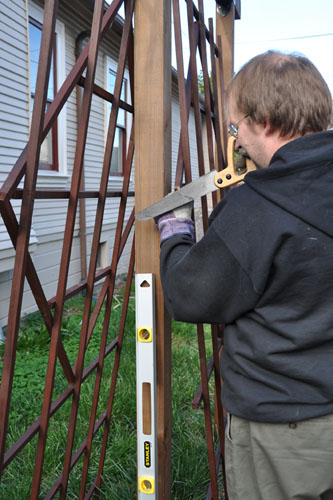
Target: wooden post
[152, 104]
[225, 29]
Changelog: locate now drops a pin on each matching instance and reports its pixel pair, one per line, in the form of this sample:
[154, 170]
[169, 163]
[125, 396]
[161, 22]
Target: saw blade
[192, 191]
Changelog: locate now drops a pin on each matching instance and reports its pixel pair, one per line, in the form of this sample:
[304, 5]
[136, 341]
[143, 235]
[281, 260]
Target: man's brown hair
[285, 90]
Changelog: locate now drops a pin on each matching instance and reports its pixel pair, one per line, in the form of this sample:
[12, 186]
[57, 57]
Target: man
[265, 269]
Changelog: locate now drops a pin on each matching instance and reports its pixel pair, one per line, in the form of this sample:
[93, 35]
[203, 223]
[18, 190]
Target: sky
[302, 26]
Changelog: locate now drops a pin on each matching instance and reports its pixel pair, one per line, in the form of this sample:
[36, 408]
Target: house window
[49, 147]
[102, 256]
[119, 146]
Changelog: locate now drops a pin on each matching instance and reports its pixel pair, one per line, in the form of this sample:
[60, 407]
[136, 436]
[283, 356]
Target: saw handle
[229, 176]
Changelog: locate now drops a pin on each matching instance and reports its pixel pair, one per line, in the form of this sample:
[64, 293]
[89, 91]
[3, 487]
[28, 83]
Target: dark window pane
[48, 160]
[117, 153]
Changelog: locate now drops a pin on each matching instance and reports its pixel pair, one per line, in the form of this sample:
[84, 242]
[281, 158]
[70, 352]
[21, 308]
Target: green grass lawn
[190, 474]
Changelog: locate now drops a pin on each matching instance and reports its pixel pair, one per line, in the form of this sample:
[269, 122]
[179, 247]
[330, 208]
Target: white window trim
[37, 13]
[111, 64]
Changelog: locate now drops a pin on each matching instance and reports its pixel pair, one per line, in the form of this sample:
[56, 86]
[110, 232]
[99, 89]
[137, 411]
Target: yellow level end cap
[147, 485]
[145, 334]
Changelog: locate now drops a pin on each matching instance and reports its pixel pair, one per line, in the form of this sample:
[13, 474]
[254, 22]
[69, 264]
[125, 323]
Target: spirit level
[146, 386]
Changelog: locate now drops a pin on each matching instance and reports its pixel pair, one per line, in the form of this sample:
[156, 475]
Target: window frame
[111, 65]
[54, 130]
[35, 15]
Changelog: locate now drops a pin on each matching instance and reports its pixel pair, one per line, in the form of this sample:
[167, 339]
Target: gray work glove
[177, 221]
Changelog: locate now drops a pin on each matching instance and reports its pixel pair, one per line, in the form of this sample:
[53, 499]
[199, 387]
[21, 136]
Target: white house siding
[176, 125]
[50, 215]
[14, 99]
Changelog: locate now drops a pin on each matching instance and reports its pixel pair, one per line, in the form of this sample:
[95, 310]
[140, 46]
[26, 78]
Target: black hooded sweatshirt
[264, 268]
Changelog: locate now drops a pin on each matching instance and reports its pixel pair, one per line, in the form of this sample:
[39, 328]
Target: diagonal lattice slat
[198, 35]
[52, 310]
[87, 60]
[23, 234]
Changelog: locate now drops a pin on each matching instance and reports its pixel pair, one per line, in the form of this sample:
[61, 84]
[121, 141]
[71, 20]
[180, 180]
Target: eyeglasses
[233, 129]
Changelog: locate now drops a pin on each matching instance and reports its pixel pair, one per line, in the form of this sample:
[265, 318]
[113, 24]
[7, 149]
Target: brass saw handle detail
[229, 175]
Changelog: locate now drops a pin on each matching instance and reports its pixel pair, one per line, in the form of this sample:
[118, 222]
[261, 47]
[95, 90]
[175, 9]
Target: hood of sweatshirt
[299, 180]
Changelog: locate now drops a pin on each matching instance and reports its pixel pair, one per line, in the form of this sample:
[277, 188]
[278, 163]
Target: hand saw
[200, 187]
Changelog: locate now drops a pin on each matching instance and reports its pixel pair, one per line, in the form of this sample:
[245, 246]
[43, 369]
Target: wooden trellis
[153, 170]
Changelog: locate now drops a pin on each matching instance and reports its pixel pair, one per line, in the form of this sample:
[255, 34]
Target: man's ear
[268, 128]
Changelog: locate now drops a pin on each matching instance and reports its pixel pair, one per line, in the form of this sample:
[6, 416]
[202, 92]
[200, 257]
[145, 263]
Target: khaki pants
[279, 461]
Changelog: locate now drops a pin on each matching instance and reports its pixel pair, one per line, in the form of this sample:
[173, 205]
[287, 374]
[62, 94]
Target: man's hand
[177, 221]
